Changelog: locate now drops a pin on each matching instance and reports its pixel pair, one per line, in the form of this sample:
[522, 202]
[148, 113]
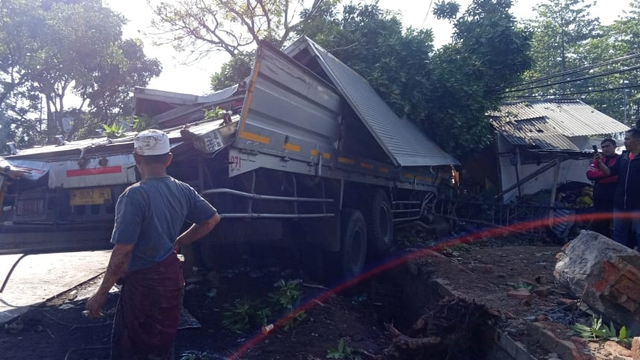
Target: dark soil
[54, 332]
[483, 272]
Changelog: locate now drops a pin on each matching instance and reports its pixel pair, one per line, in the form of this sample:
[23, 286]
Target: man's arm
[197, 231]
[594, 172]
[120, 256]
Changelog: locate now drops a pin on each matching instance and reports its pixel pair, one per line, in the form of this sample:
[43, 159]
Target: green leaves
[446, 92]
[213, 113]
[113, 132]
[598, 331]
[245, 313]
[51, 49]
[343, 351]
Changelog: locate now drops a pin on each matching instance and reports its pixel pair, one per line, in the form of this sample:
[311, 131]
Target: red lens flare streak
[464, 239]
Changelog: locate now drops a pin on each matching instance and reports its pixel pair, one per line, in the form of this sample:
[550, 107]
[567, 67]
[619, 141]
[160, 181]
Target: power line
[580, 69]
[427, 14]
[589, 92]
[632, 68]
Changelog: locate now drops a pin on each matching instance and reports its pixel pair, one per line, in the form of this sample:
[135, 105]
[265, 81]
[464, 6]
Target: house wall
[570, 170]
[582, 142]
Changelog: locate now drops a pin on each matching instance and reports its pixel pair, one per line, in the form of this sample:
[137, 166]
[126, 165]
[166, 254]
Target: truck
[303, 153]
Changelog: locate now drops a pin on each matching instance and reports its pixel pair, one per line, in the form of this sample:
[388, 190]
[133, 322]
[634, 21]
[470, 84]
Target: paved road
[40, 277]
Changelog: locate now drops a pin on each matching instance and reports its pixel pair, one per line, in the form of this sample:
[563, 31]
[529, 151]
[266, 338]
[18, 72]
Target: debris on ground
[605, 275]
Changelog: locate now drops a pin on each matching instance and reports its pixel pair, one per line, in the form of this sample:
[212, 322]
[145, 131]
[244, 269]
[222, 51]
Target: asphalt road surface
[40, 277]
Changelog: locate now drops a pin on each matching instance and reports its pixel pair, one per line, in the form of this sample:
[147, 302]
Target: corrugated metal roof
[548, 124]
[174, 134]
[516, 111]
[403, 141]
[534, 132]
[569, 117]
[575, 118]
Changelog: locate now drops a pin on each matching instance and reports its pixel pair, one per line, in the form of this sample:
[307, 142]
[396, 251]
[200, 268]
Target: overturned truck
[305, 150]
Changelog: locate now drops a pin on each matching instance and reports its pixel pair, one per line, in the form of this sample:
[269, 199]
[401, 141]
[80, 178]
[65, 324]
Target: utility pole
[626, 91]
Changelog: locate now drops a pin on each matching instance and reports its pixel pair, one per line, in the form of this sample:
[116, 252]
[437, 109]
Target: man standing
[604, 188]
[626, 217]
[149, 216]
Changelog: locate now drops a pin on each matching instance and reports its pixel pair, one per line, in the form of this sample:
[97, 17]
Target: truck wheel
[380, 224]
[353, 243]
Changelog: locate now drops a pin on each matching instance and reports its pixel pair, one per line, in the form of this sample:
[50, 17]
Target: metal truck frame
[305, 151]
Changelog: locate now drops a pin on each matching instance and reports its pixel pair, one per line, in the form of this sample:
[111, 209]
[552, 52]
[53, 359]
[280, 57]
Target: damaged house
[540, 144]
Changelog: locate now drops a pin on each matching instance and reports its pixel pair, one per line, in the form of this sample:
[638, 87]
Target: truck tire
[380, 224]
[353, 243]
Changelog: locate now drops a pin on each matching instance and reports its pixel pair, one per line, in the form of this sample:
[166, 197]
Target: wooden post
[554, 185]
[3, 191]
[518, 171]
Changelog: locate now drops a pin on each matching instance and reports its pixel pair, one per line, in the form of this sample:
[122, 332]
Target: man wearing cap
[146, 235]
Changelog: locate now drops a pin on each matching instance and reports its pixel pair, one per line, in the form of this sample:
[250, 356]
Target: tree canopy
[51, 49]
[441, 90]
[577, 57]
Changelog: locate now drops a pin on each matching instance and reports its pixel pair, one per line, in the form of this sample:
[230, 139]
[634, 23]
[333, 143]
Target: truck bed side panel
[290, 110]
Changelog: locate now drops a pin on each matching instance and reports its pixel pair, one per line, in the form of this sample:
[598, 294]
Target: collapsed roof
[549, 124]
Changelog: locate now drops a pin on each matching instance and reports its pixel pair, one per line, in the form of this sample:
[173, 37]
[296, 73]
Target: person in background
[604, 188]
[626, 216]
[149, 217]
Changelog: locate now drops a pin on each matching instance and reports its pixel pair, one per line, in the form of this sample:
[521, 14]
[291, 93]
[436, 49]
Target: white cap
[151, 142]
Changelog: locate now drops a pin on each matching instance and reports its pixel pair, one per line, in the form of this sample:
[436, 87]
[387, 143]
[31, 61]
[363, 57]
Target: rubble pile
[605, 275]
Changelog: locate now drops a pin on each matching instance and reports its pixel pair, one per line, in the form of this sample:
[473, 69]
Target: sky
[193, 78]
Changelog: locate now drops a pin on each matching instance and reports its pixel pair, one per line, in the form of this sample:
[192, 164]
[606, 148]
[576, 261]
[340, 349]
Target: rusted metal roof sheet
[534, 132]
[549, 124]
[402, 140]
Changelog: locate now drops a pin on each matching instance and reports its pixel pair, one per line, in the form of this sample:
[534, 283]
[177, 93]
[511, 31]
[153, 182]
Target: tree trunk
[52, 127]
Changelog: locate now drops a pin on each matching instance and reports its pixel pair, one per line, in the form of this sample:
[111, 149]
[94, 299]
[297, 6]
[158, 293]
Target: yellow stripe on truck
[245, 111]
[255, 137]
[345, 160]
[292, 147]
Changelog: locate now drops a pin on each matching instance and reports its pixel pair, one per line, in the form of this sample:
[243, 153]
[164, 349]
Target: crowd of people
[616, 193]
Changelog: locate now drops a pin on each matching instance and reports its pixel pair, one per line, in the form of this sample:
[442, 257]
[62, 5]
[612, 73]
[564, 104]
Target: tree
[447, 92]
[562, 29]
[108, 90]
[233, 71]
[78, 40]
[230, 26]
[488, 52]
[51, 48]
[395, 61]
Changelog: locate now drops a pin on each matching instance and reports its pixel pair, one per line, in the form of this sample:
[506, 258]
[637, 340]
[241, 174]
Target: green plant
[343, 351]
[262, 315]
[238, 316]
[522, 285]
[293, 320]
[599, 331]
[212, 114]
[287, 295]
[143, 122]
[113, 132]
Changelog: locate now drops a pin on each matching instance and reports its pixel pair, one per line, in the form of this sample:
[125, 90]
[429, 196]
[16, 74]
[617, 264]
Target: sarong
[148, 312]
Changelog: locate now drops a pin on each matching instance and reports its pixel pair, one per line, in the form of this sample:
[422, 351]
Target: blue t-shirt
[151, 213]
